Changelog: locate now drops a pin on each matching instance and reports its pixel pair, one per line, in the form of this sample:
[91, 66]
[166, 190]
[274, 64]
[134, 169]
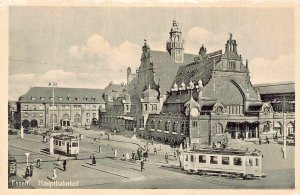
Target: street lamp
[27, 155]
[53, 84]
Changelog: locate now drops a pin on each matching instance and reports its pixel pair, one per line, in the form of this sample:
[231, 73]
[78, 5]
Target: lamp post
[284, 129]
[53, 84]
[27, 155]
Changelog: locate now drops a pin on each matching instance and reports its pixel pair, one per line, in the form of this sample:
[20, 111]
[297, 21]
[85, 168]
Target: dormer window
[60, 98]
[93, 98]
[42, 98]
[68, 98]
[51, 98]
[231, 65]
[32, 98]
[76, 98]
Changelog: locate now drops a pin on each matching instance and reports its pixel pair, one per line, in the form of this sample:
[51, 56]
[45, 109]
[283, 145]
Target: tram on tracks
[66, 144]
[224, 162]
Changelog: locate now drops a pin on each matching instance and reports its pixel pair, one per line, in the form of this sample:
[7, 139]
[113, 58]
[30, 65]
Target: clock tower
[175, 43]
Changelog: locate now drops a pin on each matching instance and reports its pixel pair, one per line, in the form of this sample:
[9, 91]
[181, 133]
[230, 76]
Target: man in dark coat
[142, 165]
[65, 165]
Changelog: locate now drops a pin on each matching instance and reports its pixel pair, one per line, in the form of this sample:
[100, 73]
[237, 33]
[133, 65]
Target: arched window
[159, 125]
[77, 118]
[290, 128]
[182, 127]
[219, 128]
[152, 124]
[166, 126]
[174, 127]
[53, 118]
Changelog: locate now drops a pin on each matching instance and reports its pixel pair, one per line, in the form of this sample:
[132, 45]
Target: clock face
[194, 112]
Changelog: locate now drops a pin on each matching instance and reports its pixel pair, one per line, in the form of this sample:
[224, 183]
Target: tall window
[174, 127]
[182, 127]
[219, 128]
[231, 66]
[159, 125]
[166, 126]
[53, 118]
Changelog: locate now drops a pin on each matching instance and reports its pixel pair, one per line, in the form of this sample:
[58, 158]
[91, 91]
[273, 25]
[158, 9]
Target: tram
[224, 162]
[66, 144]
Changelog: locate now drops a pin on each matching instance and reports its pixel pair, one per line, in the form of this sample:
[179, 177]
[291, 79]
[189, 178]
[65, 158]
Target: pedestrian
[99, 149]
[259, 141]
[115, 153]
[38, 163]
[58, 161]
[54, 175]
[65, 165]
[180, 160]
[282, 150]
[27, 172]
[214, 145]
[133, 155]
[31, 170]
[94, 160]
[155, 150]
[166, 158]
[142, 165]
[127, 156]
[152, 141]
[267, 140]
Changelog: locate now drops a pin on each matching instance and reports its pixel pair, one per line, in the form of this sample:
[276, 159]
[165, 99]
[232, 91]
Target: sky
[87, 47]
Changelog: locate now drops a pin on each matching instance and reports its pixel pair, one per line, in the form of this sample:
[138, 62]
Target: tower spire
[175, 43]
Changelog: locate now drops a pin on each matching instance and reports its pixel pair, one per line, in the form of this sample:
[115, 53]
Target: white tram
[66, 144]
[220, 161]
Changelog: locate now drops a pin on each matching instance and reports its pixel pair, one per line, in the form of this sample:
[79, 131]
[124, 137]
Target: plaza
[115, 173]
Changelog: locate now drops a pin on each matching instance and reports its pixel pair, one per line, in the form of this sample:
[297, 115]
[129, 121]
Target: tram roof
[223, 151]
[64, 137]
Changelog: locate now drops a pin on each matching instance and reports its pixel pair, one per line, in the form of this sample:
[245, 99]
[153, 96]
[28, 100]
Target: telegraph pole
[53, 84]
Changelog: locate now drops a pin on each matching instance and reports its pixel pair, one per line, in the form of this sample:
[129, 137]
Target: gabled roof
[63, 95]
[166, 68]
[178, 98]
[195, 71]
[275, 88]
[114, 90]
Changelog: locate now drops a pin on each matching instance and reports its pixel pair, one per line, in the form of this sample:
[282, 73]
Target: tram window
[186, 158]
[202, 159]
[59, 143]
[56, 142]
[213, 160]
[74, 144]
[192, 158]
[237, 161]
[225, 160]
[250, 162]
[256, 162]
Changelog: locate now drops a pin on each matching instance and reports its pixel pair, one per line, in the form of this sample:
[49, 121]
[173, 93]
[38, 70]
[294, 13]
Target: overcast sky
[90, 46]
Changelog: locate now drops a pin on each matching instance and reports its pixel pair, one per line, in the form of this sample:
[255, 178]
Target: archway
[34, 123]
[25, 123]
[278, 127]
[290, 128]
[77, 118]
[94, 121]
[219, 128]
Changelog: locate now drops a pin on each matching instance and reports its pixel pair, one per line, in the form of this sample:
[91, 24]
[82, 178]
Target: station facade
[72, 107]
[178, 98]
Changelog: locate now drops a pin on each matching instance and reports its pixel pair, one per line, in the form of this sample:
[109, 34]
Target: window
[182, 127]
[41, 107]
[87, 120]
[166, 126]
[56, 142]
[51, 98]
[174, 127]
[87, 106]
[34, 107]
[202, 159]
[25, 114]
[155, 106]
[127, 107]
[213, 160]
[151, 107]
[231, 66]
[32, 98]
[41, 121]
[146, 107]
[256, 162]
[219, 128]
[26, 107]
[225, 160]
[87, 114]
[192, 158]
[34, 115]
[67, 107]
[94, 107]
[237, 161]
[74, 144]
[69, 98]
[186, 157]
[42, 98]
[194, 123]
[249, 162]
[59, 143]
[76, 98]
[60, 98]
[94, 115]
[93, 98]
[41, 114]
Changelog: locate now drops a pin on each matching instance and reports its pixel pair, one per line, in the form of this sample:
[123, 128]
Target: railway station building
[178, 98]
[72, 107]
